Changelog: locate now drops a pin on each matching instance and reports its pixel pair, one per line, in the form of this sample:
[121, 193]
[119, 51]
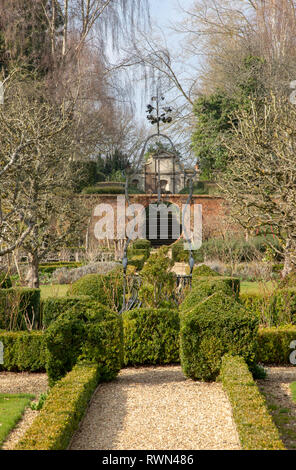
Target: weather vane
[157, 114]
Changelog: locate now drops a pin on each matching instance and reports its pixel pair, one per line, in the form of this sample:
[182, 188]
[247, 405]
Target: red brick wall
[213, 209]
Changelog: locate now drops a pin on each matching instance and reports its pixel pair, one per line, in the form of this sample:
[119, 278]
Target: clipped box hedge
[204, 271]
[274, 344]
[151, 336]
[137, 261]
[15, 302]
[89, 331]
[106, 289]
[253, 422]
[53, 307]
[141, 244]
[204, 289]
[63, 410]
[215, 326]
[232, 282]
[23, 351]
[49, 268]
[138, 251]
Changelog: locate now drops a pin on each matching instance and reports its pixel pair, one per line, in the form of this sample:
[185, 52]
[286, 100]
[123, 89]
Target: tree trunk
[32, 277]
[290, 257]
[65, 32]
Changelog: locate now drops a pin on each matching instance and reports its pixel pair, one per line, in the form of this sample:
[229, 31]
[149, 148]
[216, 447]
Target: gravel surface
[22, 382]
[157, 408]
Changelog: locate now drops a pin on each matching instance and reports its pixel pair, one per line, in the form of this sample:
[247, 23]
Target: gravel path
[24, 382]
[157, 408]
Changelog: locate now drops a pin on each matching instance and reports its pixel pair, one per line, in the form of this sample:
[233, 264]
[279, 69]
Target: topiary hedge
[274, 344]
[254, 424]
[216, 326]
[139, 247]
[204, 271]
[63, 341]
[151, 336]
[103, 344]
[138, 251]
[231, 283]
[62, 412]
[204, 289]
[92, 333]
[53, 307]
[23, 351]
[15, 303]
[106, 289]
[137, 261]
[141, 244]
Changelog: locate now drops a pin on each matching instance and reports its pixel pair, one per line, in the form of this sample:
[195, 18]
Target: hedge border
[232, 282]
[274, 344]
[23, 351]
[151, 336]
[62, 412]
[53, 307]
[254, 424]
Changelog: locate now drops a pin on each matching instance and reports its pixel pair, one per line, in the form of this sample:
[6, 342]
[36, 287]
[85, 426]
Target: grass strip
[12, 407]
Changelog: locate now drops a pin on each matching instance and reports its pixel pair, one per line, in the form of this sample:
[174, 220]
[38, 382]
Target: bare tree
[224, 32]
[260, 179]
[16, 141]
[90, 21]
[36, 140]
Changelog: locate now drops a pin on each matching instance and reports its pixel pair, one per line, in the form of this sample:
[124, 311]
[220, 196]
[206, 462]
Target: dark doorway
[162, 227]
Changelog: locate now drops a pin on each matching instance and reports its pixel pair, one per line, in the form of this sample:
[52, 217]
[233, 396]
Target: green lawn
[55, 290]
[256, 287]
[60, 290]
[11, 411]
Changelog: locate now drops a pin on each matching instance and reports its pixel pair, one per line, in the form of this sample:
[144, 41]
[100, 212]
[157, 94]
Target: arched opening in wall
[135, 183]
[163, 224]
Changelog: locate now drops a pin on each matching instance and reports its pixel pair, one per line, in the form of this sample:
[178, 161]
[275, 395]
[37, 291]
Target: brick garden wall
[214, 209]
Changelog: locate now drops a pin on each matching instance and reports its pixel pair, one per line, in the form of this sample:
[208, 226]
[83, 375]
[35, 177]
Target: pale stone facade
[165, 166]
